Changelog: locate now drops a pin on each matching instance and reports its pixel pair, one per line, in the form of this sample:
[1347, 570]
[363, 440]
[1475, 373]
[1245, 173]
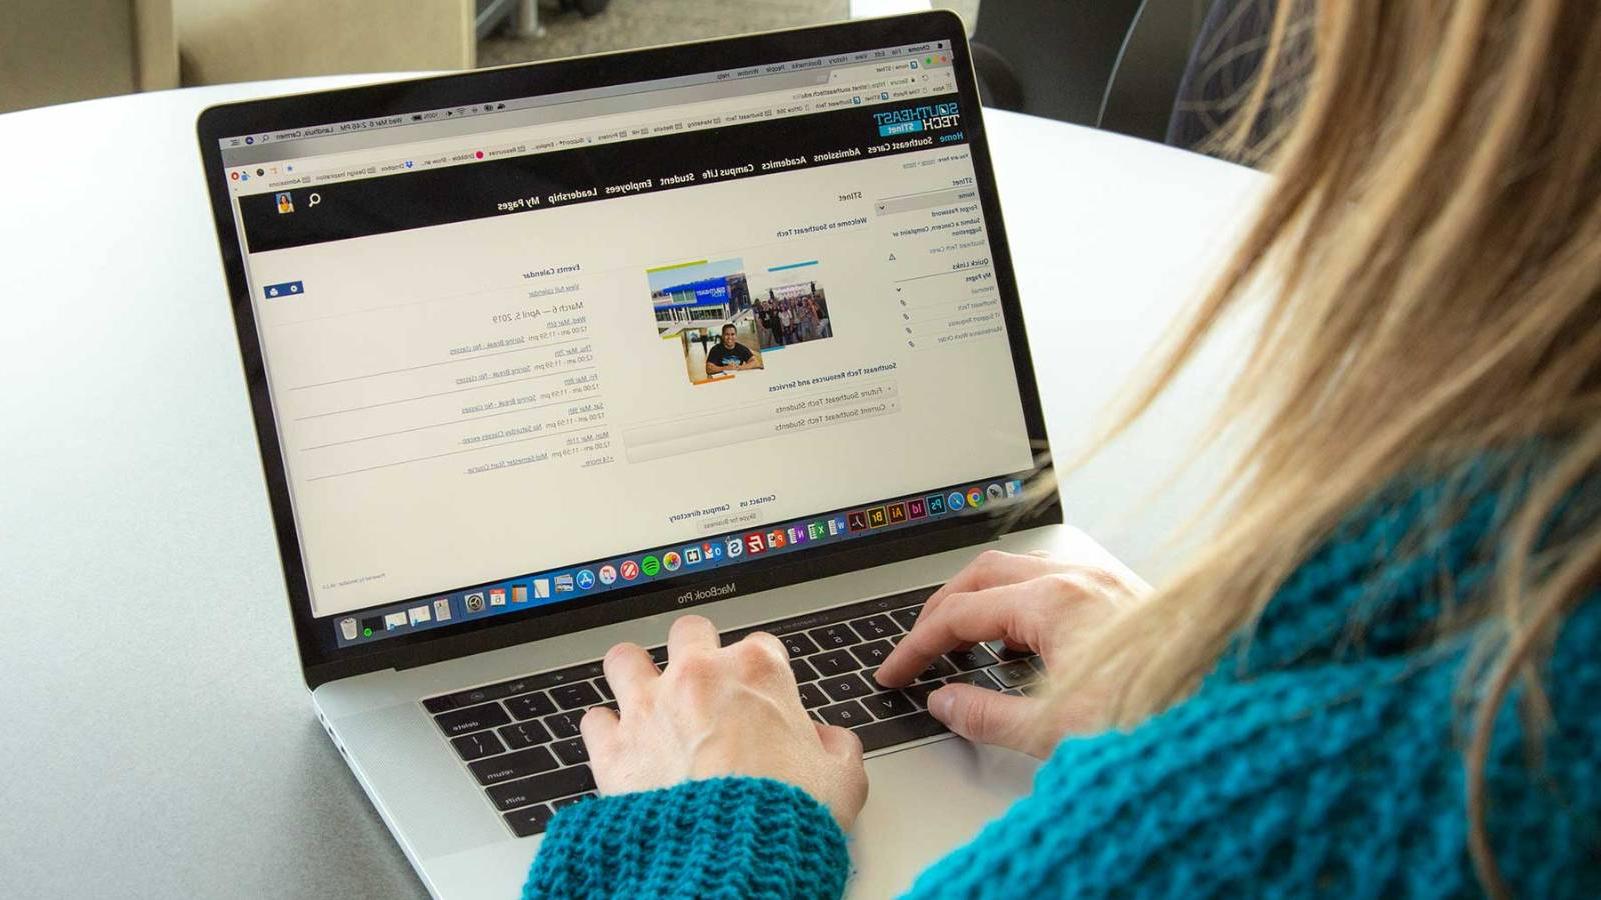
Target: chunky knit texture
[720, 838]
[1322, 756]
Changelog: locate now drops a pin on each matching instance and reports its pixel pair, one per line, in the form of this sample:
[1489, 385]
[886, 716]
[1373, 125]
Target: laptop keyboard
[520, 740]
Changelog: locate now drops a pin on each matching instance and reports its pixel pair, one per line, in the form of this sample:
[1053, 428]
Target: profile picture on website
[790, 313]
[719, 352]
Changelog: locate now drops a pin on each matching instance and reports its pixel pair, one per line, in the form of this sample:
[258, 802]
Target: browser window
[525, 352]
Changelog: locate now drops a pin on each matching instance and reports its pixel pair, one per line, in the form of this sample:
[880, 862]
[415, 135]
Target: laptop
[541, 357]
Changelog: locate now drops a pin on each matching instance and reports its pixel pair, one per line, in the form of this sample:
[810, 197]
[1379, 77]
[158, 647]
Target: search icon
[314, 199]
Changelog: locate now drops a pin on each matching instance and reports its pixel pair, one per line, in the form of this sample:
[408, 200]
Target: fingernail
[939, 704]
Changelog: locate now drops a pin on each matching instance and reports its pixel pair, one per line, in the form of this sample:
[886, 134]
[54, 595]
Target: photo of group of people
[722, 326]
[793, 314]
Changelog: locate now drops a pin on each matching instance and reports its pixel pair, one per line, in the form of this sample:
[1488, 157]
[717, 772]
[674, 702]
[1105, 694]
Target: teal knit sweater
[1322, 756]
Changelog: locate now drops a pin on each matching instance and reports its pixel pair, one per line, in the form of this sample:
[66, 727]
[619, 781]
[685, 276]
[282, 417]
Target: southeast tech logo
[912, 119]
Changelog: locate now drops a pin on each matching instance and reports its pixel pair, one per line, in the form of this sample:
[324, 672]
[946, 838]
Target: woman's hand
[717, 711]
[1032, 601]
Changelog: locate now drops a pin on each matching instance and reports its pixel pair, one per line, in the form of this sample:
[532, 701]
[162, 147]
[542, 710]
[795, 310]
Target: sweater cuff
[724, 837]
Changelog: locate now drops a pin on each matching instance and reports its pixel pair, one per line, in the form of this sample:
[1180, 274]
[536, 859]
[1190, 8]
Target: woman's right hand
[1035, 602]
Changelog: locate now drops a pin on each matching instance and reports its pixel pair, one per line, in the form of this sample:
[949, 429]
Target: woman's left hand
[717, 711]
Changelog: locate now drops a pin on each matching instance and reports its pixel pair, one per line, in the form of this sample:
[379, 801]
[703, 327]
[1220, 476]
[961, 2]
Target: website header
[517, 183]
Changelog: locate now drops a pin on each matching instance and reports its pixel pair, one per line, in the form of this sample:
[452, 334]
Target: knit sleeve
[721, 837]
[1342, 781]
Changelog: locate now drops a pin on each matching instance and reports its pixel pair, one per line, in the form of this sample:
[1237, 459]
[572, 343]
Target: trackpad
[924, 802]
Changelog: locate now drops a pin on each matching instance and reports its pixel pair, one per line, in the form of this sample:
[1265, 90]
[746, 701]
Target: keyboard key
[975, 678]
[658, 655]
[803, 671]
[571, 752]
[513, 765]
[524, 734]
[1005, 653]
[438, 704]
[475, 696]
[530, 820]
[898, 730]
[975, 658]
[834, 637]
[1014, 692]
[473, 718]
[873, 628]
[564, 725]
[834, 662]
[939, 668]
[1013, 674]
[569, 801]
[906, 617]
[844, 687]
[799, 645]
[872, 654]
[539, 788]
[605, 689]
[846, 715]
[477, 745]
[546, 680]
[918, 693]
[812, 696]
[889, 705]
[530, 706]
[575, 696]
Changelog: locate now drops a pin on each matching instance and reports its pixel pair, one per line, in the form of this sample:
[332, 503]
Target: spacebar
[899, 730]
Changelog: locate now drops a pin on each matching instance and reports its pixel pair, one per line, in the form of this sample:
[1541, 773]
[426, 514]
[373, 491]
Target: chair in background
[1156, 54]
[57, 51]
[1059, 53]
[223, 41]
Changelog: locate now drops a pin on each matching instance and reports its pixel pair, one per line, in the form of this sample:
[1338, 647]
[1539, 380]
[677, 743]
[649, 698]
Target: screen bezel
[321, 664]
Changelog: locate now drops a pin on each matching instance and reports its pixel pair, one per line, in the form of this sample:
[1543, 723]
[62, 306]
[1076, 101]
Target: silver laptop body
[542, 356]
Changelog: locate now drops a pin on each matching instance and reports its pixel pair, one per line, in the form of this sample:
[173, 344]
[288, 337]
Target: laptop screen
[530, 352]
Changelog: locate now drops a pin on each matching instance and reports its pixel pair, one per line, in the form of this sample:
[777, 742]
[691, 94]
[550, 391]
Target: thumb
[840, 742]
[987, 717]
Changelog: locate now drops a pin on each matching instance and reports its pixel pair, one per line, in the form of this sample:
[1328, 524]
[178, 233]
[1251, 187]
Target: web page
[492, 363]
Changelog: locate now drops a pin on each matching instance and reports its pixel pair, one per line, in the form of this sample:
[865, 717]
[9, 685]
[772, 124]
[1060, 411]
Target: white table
[154, 729]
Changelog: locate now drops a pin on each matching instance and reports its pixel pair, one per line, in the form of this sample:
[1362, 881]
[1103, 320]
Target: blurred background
[1147, 68]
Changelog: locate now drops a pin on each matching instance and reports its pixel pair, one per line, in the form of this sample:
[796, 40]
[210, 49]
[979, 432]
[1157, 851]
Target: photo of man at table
[719, 352]
[705, 307]
[729, 355]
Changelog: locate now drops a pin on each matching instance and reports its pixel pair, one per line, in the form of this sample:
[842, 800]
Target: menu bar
[885, 82]
[269, 145]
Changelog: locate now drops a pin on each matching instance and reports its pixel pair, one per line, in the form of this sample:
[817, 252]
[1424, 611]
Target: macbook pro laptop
[542, 356]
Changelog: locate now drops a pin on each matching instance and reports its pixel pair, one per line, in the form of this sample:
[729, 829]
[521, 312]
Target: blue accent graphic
[799, 265]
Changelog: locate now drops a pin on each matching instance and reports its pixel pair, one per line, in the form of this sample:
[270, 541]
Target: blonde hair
[1432, 241]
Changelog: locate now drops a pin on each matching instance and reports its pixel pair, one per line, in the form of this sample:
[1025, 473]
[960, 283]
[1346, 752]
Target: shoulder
[1336, 779]
[1420, 551]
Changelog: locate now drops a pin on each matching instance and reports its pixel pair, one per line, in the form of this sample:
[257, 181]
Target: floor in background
[640, 23]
